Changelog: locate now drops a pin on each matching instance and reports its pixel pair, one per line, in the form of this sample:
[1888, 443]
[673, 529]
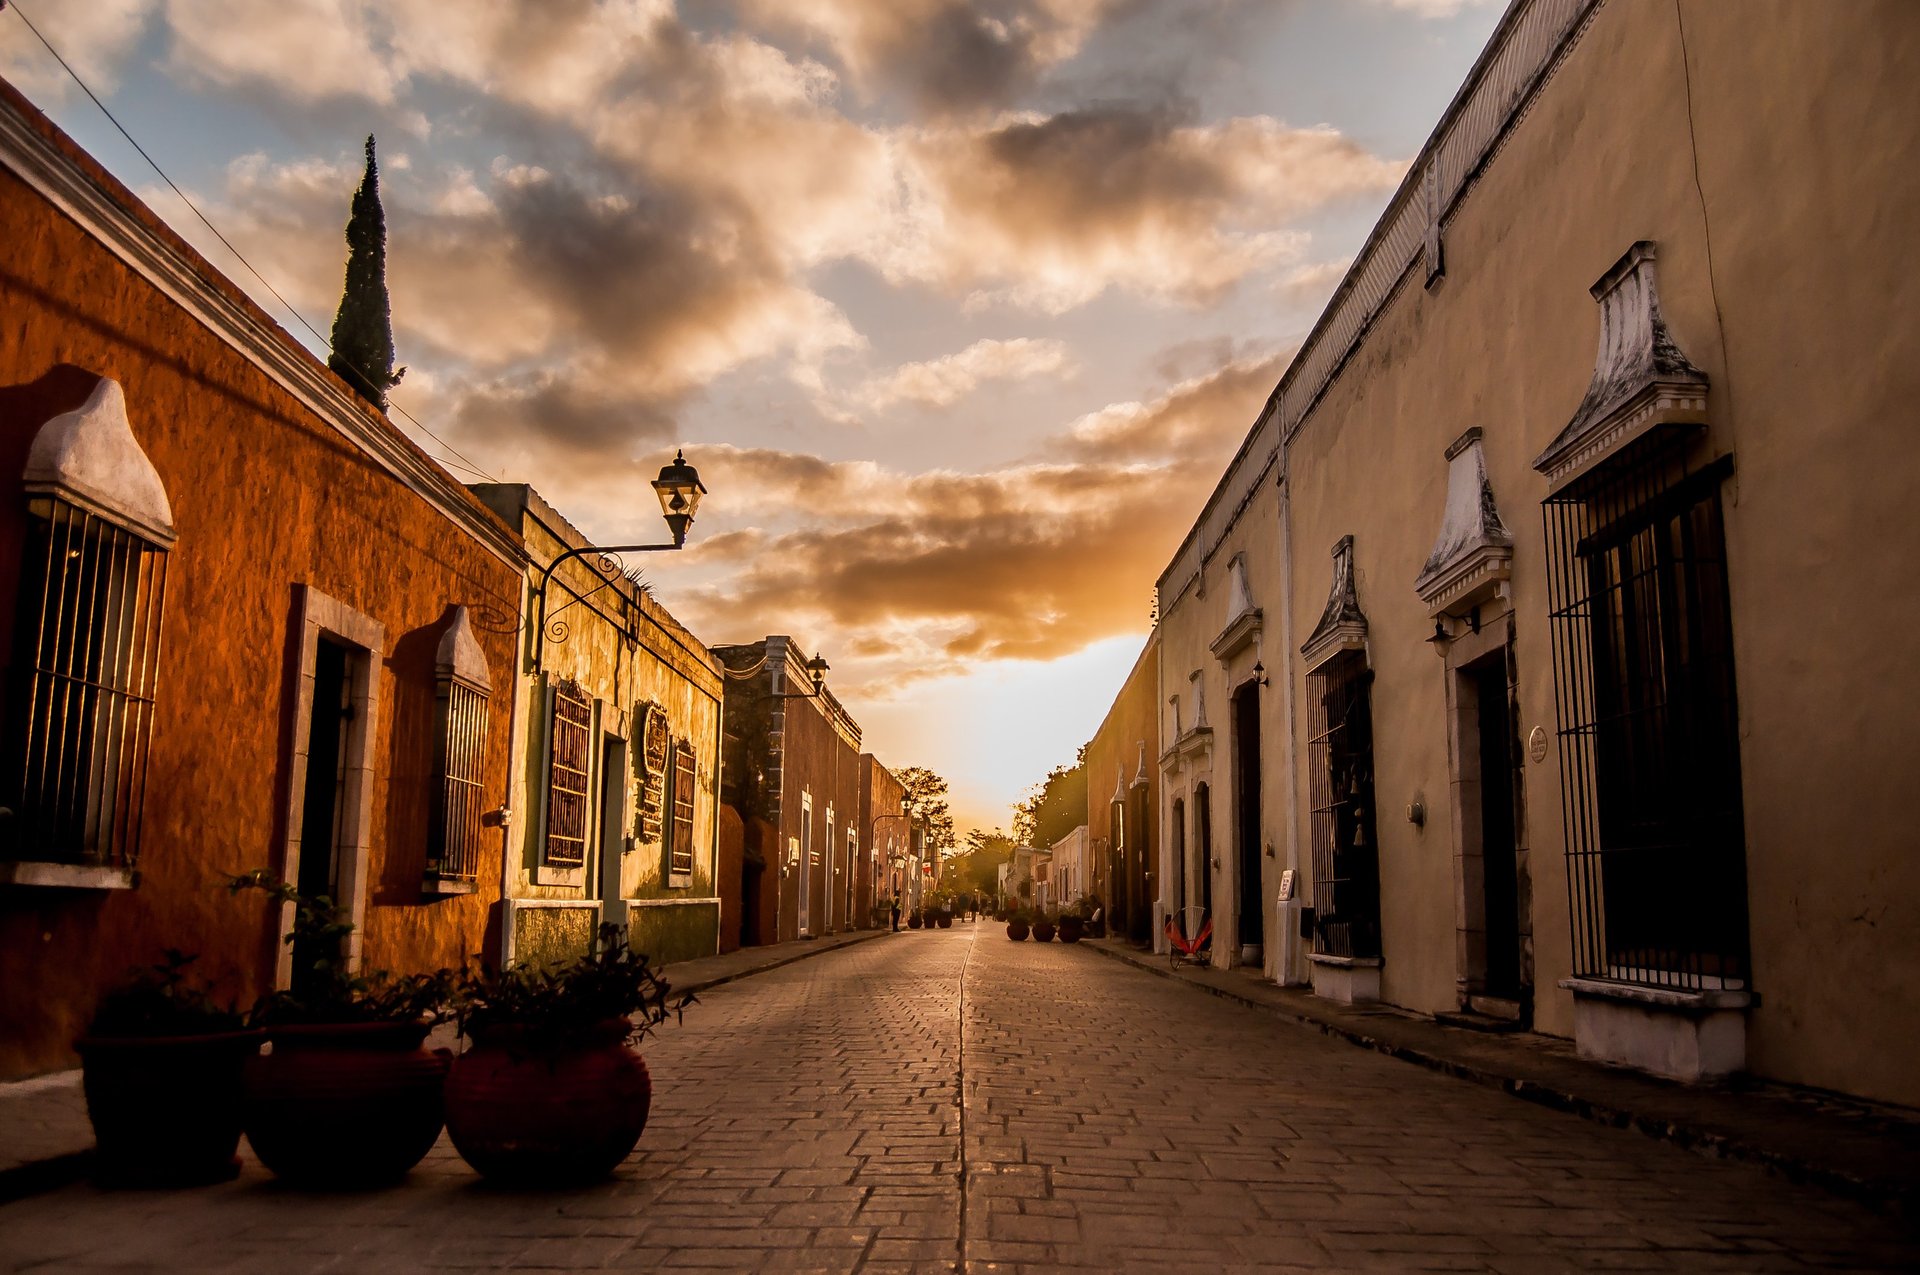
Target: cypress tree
[363, 329]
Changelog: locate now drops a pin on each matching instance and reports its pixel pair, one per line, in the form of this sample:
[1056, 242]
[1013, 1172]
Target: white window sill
[438, 885]
[65, 876]
[1661, 997]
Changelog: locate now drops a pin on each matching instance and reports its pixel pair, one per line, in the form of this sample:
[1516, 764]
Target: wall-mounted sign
[649, 771]
[1286, 885]
[1537, 744]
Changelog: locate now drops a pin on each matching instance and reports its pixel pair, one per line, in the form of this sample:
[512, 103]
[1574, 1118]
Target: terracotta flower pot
[527, 1111]
[944, 920]
[913, 921]
[1043, 931]
[165, 1109]
[1017, 930]
[345, 1104]
[1072, 929]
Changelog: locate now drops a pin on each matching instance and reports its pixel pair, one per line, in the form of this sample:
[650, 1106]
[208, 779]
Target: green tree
[1055, 806]
[928, 793]
[977, 865]
[363, 329]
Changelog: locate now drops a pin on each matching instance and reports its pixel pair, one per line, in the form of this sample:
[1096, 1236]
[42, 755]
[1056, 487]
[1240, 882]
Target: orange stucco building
[245, 624]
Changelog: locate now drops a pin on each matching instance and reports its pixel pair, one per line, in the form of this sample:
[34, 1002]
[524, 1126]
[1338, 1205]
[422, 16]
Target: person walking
[896, 914]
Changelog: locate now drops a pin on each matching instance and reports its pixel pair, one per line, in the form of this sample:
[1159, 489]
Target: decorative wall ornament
[90, 458]
[1472, 558]
[1343, 626]
[1243, 618]
[1641, 380]
[652, 743]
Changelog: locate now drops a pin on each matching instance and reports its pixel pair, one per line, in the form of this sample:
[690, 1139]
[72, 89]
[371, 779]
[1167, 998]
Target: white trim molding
[1472, 558]
[1343, 626]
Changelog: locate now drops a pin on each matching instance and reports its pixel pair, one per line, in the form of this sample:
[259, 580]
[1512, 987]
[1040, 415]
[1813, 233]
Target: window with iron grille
[567, 778]
[453, 835]
[1346, 860]
[86, 652]
[1648, 724]
[680, 841]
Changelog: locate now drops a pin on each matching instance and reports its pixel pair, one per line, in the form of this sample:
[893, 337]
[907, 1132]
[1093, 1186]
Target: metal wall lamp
[679, 490]
[816, 673]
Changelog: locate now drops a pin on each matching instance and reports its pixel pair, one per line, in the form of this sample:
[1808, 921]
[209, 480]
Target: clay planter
[913, 921]
[528, 1112]
[1072, 929]
[165, 1109]
[345, 1104]
[943, 919]
[1017, 930]
[1043, 931]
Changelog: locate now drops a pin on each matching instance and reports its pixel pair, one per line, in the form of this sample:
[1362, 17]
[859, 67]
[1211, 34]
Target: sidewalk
[46, 1140]
[1856, 1149]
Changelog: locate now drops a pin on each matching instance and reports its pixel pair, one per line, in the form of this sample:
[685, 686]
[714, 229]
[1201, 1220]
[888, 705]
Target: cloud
[946, 56]
[1433, 8]
[1049, 211]
[307, 50]
[1313, 283]
[922, 574]
[94, 38]
[944, 381]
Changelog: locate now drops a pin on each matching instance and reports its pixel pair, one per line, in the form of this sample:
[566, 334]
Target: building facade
[793, 772]
[245, 625]
[615, 757]
[1123, 798]
[887, 844]
[1554, 542]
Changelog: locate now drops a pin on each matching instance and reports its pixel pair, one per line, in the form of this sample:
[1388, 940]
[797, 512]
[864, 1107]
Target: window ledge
[65, 876]
[438, 885]
[1699, 1002]
[1345, 962]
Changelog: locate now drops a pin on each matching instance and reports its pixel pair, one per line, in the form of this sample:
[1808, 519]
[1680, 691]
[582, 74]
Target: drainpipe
[1289, 969]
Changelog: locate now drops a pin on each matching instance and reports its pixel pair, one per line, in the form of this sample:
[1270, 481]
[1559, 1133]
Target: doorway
[322, 806]
[1203, 842]
[613, 790]
[1179, 848]
[1246, 809]
[1496, 968]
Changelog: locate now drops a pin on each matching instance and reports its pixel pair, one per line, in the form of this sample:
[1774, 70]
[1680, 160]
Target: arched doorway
[1246, 818]
[1203, 841]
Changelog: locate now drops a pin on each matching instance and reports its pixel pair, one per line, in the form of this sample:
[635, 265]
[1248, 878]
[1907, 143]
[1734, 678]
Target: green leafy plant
[566, 1002]
[327, 990]
[160, 1000]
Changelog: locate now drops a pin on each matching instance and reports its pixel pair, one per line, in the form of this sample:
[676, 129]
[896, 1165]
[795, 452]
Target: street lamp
[679, 490]
[816, 673]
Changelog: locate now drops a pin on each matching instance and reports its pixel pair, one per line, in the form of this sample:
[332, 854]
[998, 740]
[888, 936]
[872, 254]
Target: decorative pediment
[1343, 626]
[1194, 748]
[1472, 557]
[1641, 380]
[459, 656]
[90, 458]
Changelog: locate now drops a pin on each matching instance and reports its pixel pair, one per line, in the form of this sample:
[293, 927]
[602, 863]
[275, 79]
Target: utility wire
[464, 462]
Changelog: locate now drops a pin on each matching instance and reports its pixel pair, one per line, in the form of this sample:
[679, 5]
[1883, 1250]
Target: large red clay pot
[345, 1104]
[1017, 930]
[1072, 929]
[521, 1110]
[165, 1109]
[1043, 931]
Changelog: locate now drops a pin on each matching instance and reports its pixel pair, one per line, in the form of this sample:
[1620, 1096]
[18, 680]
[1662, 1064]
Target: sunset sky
[960, 309]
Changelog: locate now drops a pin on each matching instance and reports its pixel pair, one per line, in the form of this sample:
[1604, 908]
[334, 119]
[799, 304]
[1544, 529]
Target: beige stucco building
[615, 761]
[1576, 553]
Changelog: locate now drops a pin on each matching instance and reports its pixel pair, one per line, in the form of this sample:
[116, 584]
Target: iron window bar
[454, 831]
[1346, 862]
[566, 840]
[1648, 722]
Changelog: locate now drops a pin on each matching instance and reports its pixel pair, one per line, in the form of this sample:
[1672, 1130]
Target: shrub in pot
[347, 1095]
[944, 917]
[1043, 927]
[551, 1090]
[1072, 927]
[914, 919]
[161, 1065]
[1017, 927]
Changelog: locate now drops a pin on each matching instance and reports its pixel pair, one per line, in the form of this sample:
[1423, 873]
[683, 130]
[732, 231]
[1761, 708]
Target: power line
[465, 463]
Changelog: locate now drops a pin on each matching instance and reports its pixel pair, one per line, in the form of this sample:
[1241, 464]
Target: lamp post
[679, 490]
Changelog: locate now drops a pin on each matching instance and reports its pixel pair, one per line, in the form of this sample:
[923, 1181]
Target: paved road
[811, 1119]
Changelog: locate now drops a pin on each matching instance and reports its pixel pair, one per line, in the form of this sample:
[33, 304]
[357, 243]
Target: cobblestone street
[809, 1118]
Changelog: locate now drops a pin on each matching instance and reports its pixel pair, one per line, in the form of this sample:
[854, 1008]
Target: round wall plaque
[1537, 744]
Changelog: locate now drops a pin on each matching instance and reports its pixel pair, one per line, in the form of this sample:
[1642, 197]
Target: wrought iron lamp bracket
[552, 628]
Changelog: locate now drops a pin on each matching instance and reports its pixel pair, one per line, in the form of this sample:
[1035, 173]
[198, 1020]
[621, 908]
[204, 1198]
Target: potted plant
[1017, 927]
[552, 1089]
[943, 911]
[915, 920]
[161, 1067]
[1073, 927]
[347, 1095]
[1043, 926]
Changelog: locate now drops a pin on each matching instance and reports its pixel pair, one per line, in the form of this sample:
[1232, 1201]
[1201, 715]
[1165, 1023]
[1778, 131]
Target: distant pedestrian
[896, 914]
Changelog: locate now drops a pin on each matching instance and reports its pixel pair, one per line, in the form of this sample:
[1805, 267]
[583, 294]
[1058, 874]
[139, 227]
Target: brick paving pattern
[809, 1118]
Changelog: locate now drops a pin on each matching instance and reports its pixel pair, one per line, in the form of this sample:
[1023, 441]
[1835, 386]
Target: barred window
[1346, 862]
[1649, 728]
[86, 653]
[680, 844]
[567, 777]
[453, 849]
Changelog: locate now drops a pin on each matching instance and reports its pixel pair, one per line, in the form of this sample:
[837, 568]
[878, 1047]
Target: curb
[861, 936]
[37, 1177]
[1885, 1196]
